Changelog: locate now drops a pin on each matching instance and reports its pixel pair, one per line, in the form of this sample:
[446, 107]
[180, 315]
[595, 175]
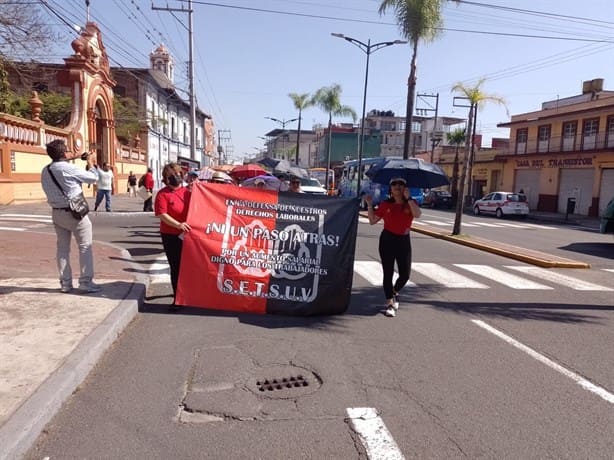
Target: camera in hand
[84, 156]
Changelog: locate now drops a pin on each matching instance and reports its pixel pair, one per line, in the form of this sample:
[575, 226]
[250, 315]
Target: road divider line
[596, 389]
[374, 436]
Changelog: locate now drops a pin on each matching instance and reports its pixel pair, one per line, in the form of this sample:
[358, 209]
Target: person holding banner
[171, 207]
[398, 213]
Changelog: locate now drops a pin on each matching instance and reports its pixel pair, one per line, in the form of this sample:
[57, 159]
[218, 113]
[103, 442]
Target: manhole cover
[283, 381]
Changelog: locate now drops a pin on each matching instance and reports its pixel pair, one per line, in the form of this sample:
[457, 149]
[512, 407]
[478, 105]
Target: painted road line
[26, 219]
[26, 215]
[564, 280]
[446, 277]
[374, 436]
[611, 270]
[486, 224]
[507, 279]
[159, 271]
[601, 392]
[434, 222]
[508, 224]
[541, 227]
[372, 272]
[12, 229]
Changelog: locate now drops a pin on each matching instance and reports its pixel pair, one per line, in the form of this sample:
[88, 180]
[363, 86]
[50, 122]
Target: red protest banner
[260, 251]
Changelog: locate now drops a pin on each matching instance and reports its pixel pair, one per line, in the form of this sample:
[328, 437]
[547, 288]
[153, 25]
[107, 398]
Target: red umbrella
[242, 172]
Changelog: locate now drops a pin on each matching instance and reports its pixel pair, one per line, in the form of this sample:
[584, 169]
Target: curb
[512, 252]
[25, 425]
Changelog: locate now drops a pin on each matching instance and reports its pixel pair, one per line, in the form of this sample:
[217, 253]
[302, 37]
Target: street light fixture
[283, 124]
[367, 48]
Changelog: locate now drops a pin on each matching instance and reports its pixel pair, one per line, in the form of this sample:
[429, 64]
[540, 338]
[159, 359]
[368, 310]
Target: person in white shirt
[105, 187]
[70, 179]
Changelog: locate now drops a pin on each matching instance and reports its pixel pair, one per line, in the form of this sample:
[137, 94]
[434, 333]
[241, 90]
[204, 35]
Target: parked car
[312, 186]
[607, 219]
[438, 199]
[502, 204]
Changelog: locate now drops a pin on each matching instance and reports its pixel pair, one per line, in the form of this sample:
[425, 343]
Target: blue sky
[249, 56]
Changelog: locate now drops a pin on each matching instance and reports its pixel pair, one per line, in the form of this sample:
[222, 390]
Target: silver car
[502, 204]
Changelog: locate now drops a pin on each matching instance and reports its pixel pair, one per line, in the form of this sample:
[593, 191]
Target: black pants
[394, 248]
[172, 248]
[148, 204]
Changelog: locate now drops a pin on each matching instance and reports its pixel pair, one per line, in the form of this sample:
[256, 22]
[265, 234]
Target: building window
[569, 136]
[610, 133]
[388, 125]
[120, 91]
[521, 140]
[589, 134]
[40, 87]
[543, 138]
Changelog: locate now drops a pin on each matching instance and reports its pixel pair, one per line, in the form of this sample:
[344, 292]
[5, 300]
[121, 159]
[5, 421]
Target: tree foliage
[127, 121]
[55, 111]
[301, 102]
[417, 20]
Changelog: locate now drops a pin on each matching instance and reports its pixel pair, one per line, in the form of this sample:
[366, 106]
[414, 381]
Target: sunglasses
[296, 182]
[397, 182]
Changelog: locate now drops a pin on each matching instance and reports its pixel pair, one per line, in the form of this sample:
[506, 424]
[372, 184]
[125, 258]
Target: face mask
[173, 181]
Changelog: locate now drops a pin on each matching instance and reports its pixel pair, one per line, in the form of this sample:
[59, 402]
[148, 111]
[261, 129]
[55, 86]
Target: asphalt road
[449, 375]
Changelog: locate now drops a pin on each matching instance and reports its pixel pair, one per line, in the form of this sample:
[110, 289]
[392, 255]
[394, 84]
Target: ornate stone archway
[88, 72]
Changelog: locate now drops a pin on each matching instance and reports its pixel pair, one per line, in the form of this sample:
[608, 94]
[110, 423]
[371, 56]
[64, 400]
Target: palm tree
[328, 98]
[477, 99]
[301, 101]
[417, 20]
[456, 138]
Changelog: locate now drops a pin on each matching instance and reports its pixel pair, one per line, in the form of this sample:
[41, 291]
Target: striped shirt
[70, 178]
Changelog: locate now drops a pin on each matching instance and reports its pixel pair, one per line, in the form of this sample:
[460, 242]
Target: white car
[502, 204]
[313, 186]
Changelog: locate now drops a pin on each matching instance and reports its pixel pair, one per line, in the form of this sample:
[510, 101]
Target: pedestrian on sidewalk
[171, 207]
[398, 213]
[105, 187]
[132, 185]
[70, 178]
[148, 182]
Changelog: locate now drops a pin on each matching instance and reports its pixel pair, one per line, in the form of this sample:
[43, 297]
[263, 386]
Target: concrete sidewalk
[50, 341]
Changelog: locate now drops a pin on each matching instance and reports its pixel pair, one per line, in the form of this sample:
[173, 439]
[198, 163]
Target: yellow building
[565, 150]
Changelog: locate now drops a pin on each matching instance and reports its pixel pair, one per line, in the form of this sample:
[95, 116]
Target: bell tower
[161, 60]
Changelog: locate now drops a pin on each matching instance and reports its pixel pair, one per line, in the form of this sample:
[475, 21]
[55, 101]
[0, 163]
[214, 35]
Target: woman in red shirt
[398, 212]
[172, 208]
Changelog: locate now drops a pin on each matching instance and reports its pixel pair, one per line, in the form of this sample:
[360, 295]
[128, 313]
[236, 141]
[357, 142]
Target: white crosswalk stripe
[507, 279]
[371, 272]
[474, 224]
[22, 222]
[446, 277]
[159, 272]
[558, 278]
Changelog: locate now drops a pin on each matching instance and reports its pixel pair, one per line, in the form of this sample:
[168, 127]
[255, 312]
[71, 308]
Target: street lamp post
[367, 48]
[283, 124]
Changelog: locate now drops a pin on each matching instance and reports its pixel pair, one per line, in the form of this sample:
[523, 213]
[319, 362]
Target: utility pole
[192, 95]
[223, 137]
[435, 138]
